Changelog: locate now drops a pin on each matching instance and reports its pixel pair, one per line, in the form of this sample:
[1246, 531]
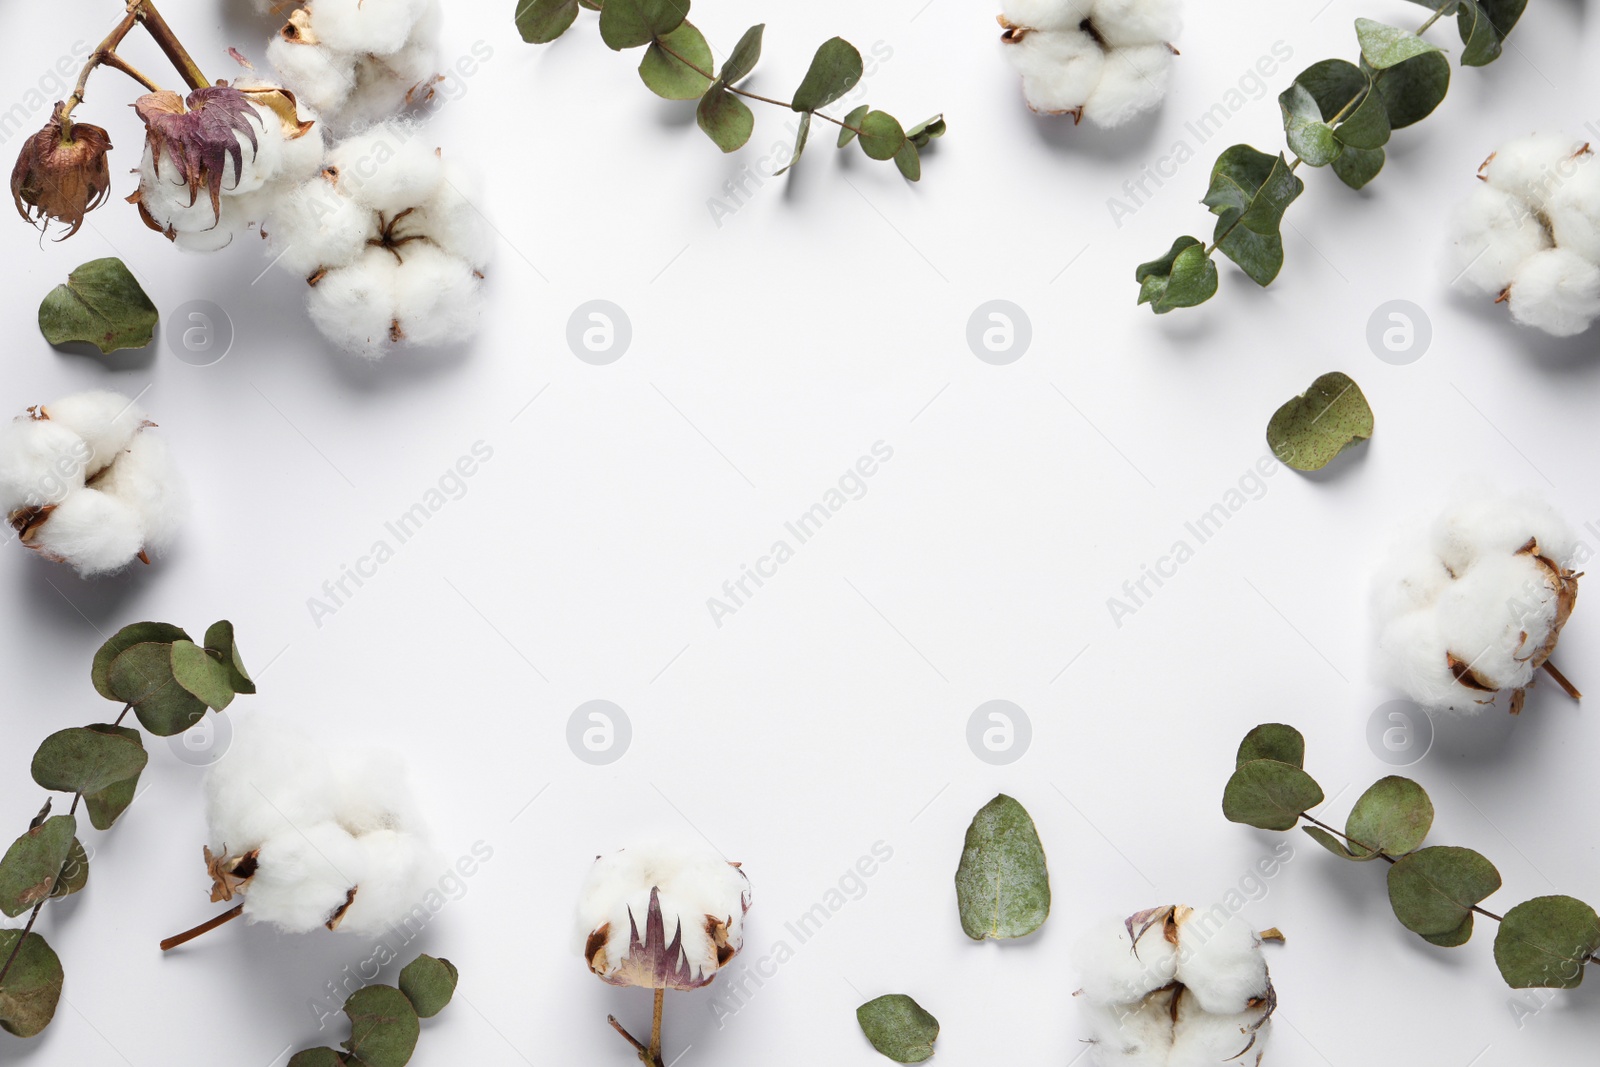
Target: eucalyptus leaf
[927, 131]
[383, 1024]
[1184, 277]
[1250, 191]
[673, 66]
[881, 135]
[106, 806]
[429, 984]
[742, 60]
[800, 138]
[909, 162]
[1003, 882]
[143, 676]
[834, 71]
[81, 760]
[1308, 431]
[1484, 26]
[1274, 741]
[635, 23]
[1358, 166]
[1433, 891]
[32, 864]
[1309, 137]
[1329, 842]
[316, 1057]
[101, 303]
[1384, 46]
[137, 634]
[220, 643]
[1546, 942]
[542, 21]
[899, 1027]
[32, 987]
[74, 873]
[852, 123]
[202, 674]
[1454, 938]
[1393, 818]
[1269, 795]
[1412, 90]
[725, 119]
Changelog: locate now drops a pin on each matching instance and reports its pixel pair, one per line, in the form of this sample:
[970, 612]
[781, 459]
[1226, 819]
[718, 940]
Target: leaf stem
[668, 49]
[17, 948]
[204, 928]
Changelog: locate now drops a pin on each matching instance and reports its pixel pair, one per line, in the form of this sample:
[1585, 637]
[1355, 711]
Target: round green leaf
[429, 984]
[1309, 137]
[317, 1057]
[908, 161]
[881, 135]
[1249, 193]
[74, 873]
[1274, 741]
[899, 1028]
[1453, 939]
[1358, 166]
[1269, 795]
[1002, 883]
[1389, 46]
[383, 1025]
[1413, 89]
[852, 123]
[1545, 943]
[143, 676]
[81, 760]
[1310, 430]
[669, 76]
[121, 641]
[1432, 891]
[101, 304]
[725, 119]
[33, 863]
[32, 987]
[203, 674]
[742, 60]
[221, 644]
[107, 805]
[1393, 817]
[542, 21]
[1484, 26]
[632, 23]
[834, 71]
[927, 130]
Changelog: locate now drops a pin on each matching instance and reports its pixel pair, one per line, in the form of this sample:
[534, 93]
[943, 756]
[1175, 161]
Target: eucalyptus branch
[678, 65]
[386, 1021]
[1336, 114]
[1435, 890]
[169, 683]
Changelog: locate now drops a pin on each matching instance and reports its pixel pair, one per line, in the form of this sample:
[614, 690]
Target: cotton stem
[204, 928]
[650, 1054]
[1561, 680]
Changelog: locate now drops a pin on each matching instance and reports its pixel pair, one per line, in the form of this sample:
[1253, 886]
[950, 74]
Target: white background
[829, 713]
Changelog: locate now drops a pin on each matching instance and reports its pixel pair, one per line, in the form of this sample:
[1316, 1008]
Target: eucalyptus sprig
[1337, 114]
[678, 65]
[168, 681]
[1435, 891]
[385, 1021]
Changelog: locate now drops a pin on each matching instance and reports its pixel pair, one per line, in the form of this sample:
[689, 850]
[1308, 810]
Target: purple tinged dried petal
[200, 135]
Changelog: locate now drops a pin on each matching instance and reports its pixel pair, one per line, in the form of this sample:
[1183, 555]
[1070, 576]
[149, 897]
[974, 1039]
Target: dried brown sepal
[62, 174]
[339, 913]
[229, 874]
[1466, 676]
[27, 521]
[282, 103]
[200, 135]
[298, 29]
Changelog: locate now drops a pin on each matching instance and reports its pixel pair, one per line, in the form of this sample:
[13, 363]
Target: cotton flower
[1475, 605]
[215, 165]
[312, 842]
[1529, 236]
[1107, 61]
[662, 916]
[84, 482]
[1171, 987]
[390, 243]
[360, 61]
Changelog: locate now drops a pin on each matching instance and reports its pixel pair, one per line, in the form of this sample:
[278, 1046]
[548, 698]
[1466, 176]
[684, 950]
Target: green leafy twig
[1435, 891]
[678, 65]
[1336, 114]
[385, 1021]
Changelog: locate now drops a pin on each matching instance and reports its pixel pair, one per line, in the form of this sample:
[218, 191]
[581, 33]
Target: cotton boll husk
[1533, 167]
[315, 227]
[1132, 1035]
[375, 26]
[396, 871]
[106, 421]
[1111, 973]
[1223, 968]
[1047, 14]
[355, 306]
[452, 220]
[95, 533]
[304, 876]
[1496, 615]
[438, 297]
[1493, 233]
[1059, 70]
[319, 76]
[390, 168]
[146, 479]
[1134, 81]
[1556, 291]
[40, 462]
[1574, 211]
[1123, 23]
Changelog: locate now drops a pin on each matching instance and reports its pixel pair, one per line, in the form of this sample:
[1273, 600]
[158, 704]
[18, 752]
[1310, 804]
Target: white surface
[830, 712]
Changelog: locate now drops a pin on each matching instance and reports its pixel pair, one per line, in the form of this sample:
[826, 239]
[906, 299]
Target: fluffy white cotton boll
[145, 477]
[452, 221]
[1481, 522]
[396, 871]
[1224, 968]
[40, 462]
[315, 227]
[1133, 82]
[1556, 291]
[277, 778]
[260, 163]
[1124, 23]
[1574, 212]
[389, 168]
[1047, 14]
[355, 306]
[95, 533]
[106, 421]
[1495, 615]
[304, 877]
[238, 218]
[1113, 972]
[378, 27]
[1414, 654]
[663, 892]
[1059, 70]
[1493, 233]
[1533, 168]
[1138, 1034]
[319, 76]
[387, 85]
[1202, 1039]
[438, 297]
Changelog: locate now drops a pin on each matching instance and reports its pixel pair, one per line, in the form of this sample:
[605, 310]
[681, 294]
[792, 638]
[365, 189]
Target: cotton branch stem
[139, 13]
[650, 1054]
[168, 42]
[108, 47]
[1561, 680]
[204, 928]
[665, 47]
